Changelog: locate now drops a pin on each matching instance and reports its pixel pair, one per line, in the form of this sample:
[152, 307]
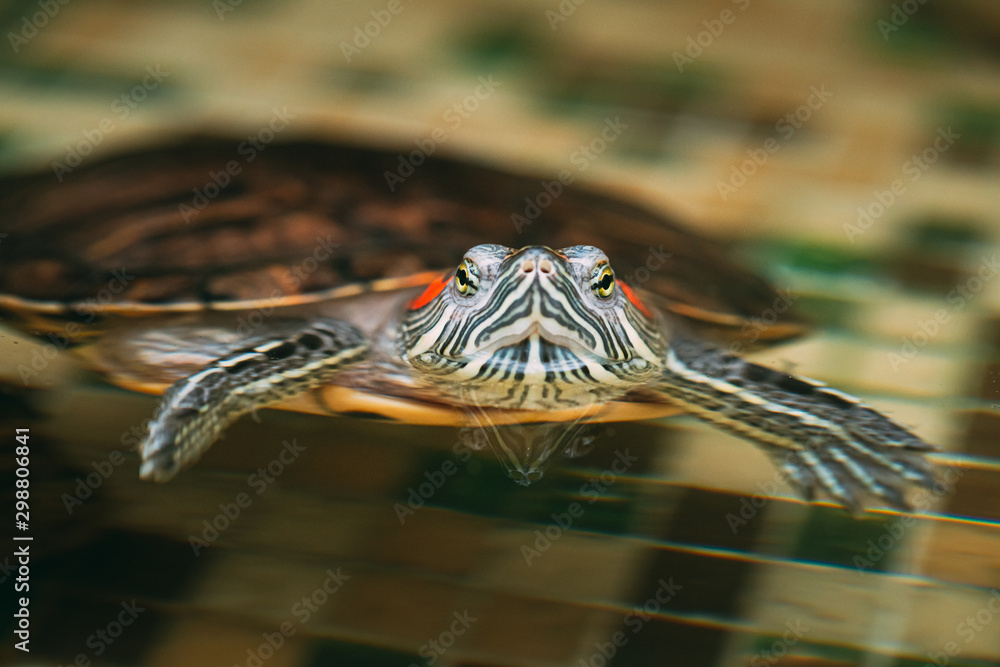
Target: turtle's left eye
[602, 281]
[467, 278]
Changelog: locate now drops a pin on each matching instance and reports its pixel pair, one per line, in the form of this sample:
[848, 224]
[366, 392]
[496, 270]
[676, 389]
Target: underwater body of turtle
[316, 277]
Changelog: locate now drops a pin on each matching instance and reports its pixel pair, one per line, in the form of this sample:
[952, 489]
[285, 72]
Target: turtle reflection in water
[308, 280]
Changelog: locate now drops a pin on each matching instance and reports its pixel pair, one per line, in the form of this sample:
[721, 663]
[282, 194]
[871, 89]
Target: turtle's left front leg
[195, 410]
[820, 437]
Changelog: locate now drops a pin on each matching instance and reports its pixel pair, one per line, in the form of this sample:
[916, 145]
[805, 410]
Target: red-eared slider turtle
[316, 277]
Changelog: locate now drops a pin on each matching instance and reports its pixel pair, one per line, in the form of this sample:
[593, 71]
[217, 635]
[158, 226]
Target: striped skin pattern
[194, 411]
[541, 329]
[819, 437]
[532, 340]
[532, 329]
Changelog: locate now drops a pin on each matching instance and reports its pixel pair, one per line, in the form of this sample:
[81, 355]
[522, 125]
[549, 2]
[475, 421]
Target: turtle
[336, 278]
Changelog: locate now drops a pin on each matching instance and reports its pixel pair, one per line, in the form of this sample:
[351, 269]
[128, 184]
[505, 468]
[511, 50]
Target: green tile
[501, 42]
[480, 485]
[611, 516]
[656, 87]
[772, 649]
[832, 535]
[936, 234]
[916, 36]
[950, 660]
[6, 141]
[70, 79]
[977, 125]
[331, 653]
[826, 312]
[975, 121]
[602, 509]
[800, 255]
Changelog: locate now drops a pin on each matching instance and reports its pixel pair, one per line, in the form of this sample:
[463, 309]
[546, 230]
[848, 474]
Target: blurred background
[849, 151]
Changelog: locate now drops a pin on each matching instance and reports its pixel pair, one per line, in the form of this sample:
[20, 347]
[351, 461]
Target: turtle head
[533, 328]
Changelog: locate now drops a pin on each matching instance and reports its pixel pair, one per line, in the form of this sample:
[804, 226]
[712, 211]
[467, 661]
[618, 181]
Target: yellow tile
[711, 459]
[575, 567]
[301, 522]
[404, 611]
[526, 630]
[206, 641]
[267, 587]
[965, 618]
[434, 540]
[963, 553]
[835, 604]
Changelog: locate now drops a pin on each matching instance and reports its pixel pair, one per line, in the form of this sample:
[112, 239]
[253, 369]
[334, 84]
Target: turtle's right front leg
[195, 410]
[821, 438]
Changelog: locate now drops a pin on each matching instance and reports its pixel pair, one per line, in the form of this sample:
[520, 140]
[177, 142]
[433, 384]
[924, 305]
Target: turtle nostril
[527, 266]
[545, 266]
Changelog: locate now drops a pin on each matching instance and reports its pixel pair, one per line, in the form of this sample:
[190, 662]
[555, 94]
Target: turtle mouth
[548, 344]
[534, 357]
[531, 371]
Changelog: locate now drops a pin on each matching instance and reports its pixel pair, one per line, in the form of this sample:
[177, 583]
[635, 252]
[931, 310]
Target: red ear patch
[432, 291]
[631, 296]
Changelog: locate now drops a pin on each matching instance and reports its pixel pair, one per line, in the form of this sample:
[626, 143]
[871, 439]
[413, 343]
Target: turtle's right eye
[467, 278]
[603, 280]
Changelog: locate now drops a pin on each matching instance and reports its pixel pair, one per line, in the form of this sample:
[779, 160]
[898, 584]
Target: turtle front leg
[195, 410]
[820, 437]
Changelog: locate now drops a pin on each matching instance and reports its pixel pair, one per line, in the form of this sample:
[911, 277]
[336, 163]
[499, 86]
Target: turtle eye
[467, 278]
[603, 280]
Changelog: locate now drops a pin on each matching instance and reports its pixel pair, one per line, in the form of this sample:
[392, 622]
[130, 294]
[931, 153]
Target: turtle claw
[158, 467]
[173, 442]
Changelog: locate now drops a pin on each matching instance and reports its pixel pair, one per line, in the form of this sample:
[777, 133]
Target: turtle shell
[214, 224]
[217, 224]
